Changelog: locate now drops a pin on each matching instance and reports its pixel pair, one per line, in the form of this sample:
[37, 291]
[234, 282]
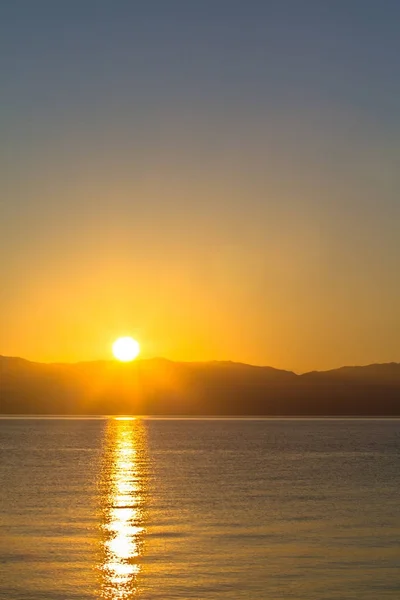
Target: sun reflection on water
[123, 524]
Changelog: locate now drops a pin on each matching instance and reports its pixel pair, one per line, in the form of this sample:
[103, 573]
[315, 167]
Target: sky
[219, 179]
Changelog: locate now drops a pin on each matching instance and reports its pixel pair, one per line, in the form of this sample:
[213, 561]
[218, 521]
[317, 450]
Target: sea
[276, 509]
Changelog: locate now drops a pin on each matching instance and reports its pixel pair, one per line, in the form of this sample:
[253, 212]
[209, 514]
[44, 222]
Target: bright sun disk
[125, 349]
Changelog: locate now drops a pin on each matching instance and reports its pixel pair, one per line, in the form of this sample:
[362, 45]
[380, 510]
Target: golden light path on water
[123, 484]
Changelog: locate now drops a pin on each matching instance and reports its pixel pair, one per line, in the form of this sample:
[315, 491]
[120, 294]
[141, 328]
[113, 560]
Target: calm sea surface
[213, 509]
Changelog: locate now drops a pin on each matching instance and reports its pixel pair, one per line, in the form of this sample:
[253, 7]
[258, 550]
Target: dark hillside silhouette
[162, 387]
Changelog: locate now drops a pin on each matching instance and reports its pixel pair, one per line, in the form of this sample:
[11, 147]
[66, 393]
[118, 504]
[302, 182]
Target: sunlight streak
[123, 527]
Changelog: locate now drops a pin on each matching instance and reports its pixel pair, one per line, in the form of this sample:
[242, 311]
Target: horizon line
[195, 362]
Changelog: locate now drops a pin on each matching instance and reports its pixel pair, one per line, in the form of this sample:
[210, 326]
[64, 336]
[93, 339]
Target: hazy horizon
[205, 361]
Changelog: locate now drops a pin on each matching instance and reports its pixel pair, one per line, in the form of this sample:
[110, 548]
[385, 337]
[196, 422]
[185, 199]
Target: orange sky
[218, 186]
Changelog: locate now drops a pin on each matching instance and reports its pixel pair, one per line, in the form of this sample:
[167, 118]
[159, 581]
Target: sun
[125, 349]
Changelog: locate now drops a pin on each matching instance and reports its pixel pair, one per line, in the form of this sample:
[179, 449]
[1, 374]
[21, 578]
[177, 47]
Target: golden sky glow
[244, 209]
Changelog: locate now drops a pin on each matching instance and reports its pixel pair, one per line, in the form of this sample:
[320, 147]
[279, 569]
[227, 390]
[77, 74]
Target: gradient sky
[219, 179]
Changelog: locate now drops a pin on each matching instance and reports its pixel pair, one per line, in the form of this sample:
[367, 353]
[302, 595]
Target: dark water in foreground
[175, 509]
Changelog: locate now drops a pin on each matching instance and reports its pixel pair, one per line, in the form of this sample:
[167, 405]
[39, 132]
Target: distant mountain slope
[387, 372]
[160, 386]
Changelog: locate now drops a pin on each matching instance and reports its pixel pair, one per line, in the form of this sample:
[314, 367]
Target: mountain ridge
[160, 386]
[197, 362]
